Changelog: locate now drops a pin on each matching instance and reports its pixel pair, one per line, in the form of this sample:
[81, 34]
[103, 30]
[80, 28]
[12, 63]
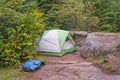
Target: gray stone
[97, 43]
[75, 71]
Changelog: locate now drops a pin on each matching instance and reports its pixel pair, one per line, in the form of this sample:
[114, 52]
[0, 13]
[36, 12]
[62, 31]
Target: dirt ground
[110, 69]
[74, 56]
[110, 65]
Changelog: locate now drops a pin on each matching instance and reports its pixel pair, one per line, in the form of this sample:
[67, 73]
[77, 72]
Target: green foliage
[90, 19]
[108, 12]
[19, 29]
[50, 9]
[69, 14]
[21, 21]
[94, 15]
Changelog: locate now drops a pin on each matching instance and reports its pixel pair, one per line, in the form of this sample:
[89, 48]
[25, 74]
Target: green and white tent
[56, 43]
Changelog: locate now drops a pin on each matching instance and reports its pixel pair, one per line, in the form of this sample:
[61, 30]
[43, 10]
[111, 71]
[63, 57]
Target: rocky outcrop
[71, 71]
[97, 43]
[79, 37]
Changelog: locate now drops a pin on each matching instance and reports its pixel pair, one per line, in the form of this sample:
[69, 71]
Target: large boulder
[98, 43]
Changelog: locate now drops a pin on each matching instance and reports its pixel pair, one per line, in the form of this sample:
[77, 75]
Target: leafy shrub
[18, 32]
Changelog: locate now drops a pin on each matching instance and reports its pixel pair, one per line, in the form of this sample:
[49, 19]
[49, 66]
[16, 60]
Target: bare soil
[74, 56]
[110, 66]
[57, 68]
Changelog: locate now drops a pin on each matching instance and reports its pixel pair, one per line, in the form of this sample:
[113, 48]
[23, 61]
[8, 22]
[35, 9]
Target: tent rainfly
[56, 43]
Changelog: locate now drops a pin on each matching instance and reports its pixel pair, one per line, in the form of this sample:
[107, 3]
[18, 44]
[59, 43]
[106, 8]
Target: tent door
[67, 45]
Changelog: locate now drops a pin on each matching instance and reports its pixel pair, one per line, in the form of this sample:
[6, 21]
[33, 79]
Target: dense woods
[22, 21]
[94, 15]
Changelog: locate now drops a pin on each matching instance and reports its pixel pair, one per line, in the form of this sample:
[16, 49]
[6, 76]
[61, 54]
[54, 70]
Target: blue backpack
[32, 65]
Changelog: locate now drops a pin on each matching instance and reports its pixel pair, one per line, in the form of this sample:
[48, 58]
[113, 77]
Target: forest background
[22, 21]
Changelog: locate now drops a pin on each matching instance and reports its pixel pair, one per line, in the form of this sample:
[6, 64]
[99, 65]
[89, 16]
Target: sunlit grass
[41, 58]
[13, 73]
[96, 60]
[8, 73]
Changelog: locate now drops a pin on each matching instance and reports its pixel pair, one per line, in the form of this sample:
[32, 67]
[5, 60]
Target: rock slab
[73, 71]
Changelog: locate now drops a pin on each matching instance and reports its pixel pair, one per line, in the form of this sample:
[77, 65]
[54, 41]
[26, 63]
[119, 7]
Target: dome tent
[56, 43]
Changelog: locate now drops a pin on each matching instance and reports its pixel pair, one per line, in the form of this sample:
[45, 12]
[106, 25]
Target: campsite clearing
[69, 67]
